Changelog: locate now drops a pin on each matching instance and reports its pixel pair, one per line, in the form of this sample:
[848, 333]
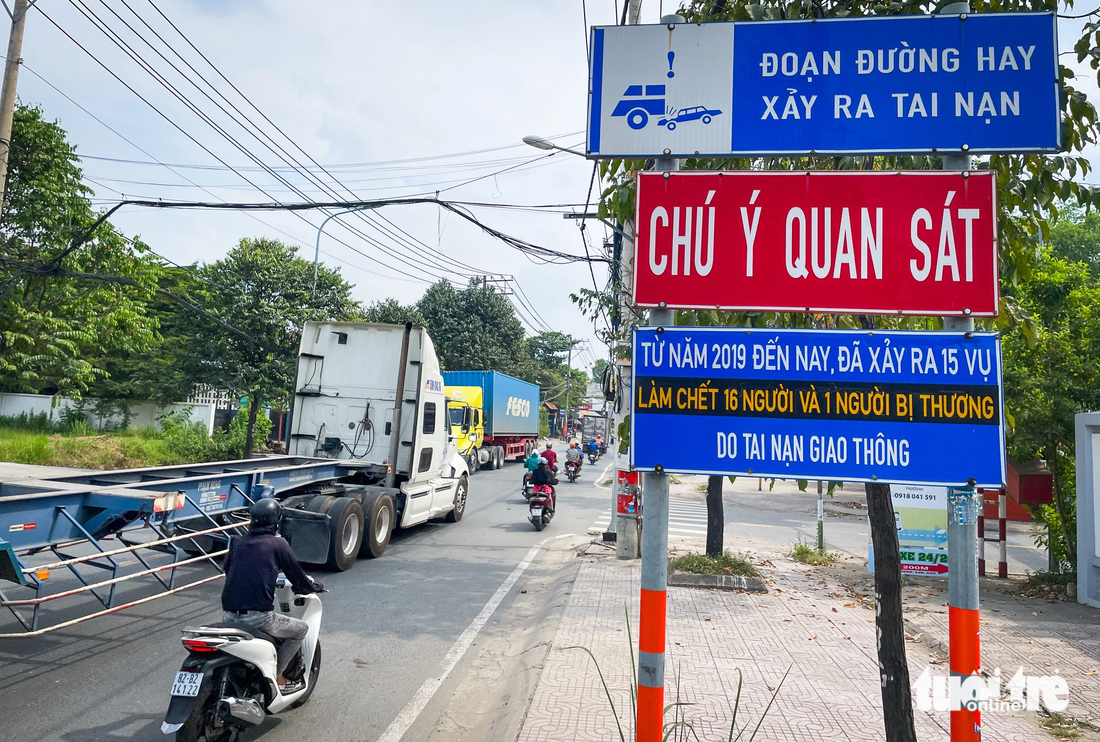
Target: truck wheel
[320, 504]
[471, 461]
[490, 458]
[498, 458]
[378, 507]
[461, 490]
[345, 533]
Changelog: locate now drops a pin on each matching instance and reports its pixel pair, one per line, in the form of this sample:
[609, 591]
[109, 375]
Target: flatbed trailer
[187, 513]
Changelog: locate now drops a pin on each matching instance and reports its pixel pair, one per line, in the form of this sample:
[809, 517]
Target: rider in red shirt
[551, 457]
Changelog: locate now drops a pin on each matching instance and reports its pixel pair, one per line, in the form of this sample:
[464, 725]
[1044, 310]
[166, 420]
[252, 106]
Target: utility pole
[568, 388]
[625, 527]
[7, 95]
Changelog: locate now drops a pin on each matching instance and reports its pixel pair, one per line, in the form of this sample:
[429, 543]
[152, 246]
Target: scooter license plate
[187, 684]
[536, 511]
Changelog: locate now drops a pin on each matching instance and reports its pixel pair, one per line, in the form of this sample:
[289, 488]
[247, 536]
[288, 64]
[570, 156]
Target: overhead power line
[531, 250]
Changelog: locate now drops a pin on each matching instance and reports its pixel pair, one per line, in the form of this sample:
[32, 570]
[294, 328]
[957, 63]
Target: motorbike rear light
[192, 645]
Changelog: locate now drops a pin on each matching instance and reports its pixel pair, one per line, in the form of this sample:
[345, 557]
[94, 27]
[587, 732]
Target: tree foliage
[598, 370]
[263, 291]
[549, 349]
[475, 328]
[1076, 237]
[62, 312]
[1051, 380]
[392, 312]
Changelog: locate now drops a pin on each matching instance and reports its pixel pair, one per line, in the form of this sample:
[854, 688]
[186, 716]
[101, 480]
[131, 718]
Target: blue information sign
[897, 407]
[985, 82]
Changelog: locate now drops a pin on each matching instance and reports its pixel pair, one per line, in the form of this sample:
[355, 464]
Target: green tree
[392, 312]
[475, 328]
[549, 349]
[162, 372]
[1048, 381]
[598, 370]
[1076, 237]
[63, 310]
[262, 293]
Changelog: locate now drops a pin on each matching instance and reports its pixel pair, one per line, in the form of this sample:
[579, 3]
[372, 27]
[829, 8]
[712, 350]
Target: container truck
[370, 450]
[591, 426]
[493, 416]
[372, 394]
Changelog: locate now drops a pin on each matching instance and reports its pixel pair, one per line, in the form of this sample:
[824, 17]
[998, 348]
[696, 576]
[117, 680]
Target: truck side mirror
[467, 419]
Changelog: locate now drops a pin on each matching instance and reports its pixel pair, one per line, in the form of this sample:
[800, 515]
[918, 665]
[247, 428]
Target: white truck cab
[373, 394]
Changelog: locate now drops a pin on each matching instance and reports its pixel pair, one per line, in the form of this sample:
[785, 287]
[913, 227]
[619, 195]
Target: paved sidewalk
[1044, 637]
[807, 622]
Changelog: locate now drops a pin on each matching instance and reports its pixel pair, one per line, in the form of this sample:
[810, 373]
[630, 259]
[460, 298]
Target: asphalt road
[388, 625]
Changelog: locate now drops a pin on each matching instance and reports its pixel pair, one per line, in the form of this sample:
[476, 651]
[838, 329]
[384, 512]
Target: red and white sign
[840, 242]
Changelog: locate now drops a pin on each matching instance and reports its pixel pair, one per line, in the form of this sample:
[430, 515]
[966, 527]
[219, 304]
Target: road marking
[754, 525]
[396, 730]
[686, 517]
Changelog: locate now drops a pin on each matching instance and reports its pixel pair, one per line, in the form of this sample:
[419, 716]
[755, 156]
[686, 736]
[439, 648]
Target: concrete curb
[677, 578]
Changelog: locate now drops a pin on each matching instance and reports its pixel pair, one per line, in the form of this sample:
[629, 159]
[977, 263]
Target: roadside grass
[679, 728]
[123, 450]
[723, 564]
[806, 554]
[74, 443]
[1047, 585]
[1065, 727]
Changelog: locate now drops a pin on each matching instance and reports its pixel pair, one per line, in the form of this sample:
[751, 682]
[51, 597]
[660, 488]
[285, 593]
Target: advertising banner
[922, 243]
[920, 514]
[893, 407]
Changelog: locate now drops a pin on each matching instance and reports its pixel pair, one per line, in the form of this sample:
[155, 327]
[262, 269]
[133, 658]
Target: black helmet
[265, 512]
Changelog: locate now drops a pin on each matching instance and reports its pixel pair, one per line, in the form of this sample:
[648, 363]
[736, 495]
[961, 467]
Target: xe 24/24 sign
[898, 407]
[870, 243]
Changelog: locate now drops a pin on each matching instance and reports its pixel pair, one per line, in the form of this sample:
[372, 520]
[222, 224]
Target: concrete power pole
[7, 96]
[625, 527]
[568, 388]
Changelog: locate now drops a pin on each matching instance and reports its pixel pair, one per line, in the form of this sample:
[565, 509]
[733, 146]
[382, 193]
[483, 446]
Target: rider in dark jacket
[252, 566]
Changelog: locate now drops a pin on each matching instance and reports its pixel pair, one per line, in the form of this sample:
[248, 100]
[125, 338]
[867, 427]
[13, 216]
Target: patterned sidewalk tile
[805, 624]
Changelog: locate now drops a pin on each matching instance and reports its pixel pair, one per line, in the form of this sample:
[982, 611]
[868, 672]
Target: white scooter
[228, 681]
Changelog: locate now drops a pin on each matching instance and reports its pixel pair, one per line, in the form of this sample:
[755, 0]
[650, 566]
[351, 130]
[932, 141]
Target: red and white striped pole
[963, 623]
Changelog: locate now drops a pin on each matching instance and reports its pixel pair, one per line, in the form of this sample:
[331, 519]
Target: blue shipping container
[511, 405]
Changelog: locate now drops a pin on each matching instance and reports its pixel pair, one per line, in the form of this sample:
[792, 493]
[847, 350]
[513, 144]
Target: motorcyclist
[531, 463]
[594, 447]
[551, 457]
[599, 443]
[543, 476]
[574, 456]
[252, 566]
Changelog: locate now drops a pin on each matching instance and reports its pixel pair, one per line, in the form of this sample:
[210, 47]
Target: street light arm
[317, 249]
[540, 143]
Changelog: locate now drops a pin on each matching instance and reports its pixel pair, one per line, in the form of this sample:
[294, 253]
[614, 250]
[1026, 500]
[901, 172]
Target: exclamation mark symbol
[671, 56]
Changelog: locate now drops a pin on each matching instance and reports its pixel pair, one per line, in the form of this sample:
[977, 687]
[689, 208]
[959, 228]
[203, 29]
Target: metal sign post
[963, 624]
[652, 608]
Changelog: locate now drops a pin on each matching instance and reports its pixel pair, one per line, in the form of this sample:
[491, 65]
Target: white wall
[141, 413]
